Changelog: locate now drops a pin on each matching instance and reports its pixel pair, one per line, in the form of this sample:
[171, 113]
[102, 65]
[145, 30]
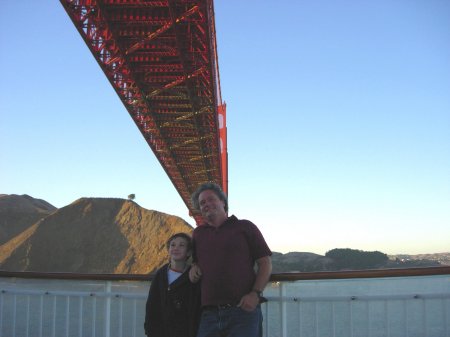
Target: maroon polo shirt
[226, 256]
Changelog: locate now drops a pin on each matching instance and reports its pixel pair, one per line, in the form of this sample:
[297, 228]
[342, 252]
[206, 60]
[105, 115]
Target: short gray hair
[212, 187]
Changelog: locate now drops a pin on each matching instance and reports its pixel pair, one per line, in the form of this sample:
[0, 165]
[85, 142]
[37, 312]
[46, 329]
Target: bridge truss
[161, 59]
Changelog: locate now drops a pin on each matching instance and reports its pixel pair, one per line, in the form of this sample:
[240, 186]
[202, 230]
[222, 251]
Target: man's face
[210, 205]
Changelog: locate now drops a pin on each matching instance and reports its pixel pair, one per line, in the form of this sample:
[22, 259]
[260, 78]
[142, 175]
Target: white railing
[54, 308]
[414, 303]
[402, 306]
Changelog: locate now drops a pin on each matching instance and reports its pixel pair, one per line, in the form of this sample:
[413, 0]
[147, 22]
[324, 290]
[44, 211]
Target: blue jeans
[231, 322]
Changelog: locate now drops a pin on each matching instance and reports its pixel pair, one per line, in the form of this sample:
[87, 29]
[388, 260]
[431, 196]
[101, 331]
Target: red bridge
[161, 59]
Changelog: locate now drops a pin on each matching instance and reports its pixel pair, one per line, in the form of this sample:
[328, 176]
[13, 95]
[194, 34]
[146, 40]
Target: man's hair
[212, 187]
[185, 236]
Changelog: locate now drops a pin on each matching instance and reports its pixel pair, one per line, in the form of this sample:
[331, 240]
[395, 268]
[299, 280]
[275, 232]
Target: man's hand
[249, 301]
[195, 273]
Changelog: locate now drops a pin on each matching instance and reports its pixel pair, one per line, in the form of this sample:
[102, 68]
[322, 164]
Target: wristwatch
[258, 292]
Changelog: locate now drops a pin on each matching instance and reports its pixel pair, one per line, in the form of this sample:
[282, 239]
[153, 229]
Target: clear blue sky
[338, 121]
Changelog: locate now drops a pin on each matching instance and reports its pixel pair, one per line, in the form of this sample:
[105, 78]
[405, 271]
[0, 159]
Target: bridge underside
[161, 58]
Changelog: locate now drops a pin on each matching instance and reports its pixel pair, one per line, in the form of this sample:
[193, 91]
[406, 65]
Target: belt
[218, 307]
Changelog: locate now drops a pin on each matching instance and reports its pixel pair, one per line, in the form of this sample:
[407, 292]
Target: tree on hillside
[356, 259]
[131, 197]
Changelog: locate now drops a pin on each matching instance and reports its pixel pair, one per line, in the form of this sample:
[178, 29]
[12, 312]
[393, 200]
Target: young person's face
[178, 249]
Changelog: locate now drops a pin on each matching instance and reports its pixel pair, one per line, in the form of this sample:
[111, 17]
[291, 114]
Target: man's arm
[195, 273]
[263, 273]
[264, 269]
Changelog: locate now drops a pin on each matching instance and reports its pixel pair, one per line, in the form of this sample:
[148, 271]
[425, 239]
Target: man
[225, 252]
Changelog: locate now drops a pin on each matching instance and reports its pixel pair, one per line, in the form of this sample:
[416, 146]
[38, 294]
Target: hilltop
[93, 235]
[19, 212]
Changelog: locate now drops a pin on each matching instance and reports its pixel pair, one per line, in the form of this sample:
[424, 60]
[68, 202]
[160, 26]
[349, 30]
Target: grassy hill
[94, 235]
[18, 212]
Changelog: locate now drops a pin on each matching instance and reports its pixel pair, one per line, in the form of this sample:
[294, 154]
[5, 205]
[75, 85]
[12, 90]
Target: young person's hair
[185, 236]
[212, 187]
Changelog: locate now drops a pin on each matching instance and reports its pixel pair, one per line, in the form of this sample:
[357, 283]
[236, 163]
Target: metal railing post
[108, 310]
[283, 310]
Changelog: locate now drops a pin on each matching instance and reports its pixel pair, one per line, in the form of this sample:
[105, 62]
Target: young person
[173, 303]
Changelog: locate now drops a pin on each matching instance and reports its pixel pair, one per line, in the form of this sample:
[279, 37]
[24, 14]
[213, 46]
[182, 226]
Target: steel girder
[161, 59]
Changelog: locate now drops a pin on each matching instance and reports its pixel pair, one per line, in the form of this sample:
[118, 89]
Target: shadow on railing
[394, 302]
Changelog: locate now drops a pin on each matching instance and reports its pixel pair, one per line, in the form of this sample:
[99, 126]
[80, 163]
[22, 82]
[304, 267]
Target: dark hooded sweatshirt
[172, 310]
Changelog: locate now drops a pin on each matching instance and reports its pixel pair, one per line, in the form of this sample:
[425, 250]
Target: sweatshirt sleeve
[153, 317]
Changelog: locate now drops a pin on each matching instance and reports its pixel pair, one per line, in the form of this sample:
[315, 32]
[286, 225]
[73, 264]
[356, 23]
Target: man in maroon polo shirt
[225, 252]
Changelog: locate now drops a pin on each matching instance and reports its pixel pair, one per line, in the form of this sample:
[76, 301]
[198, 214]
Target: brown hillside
[95, 235]
[19, 212]
[8, 248]
[300, 262]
